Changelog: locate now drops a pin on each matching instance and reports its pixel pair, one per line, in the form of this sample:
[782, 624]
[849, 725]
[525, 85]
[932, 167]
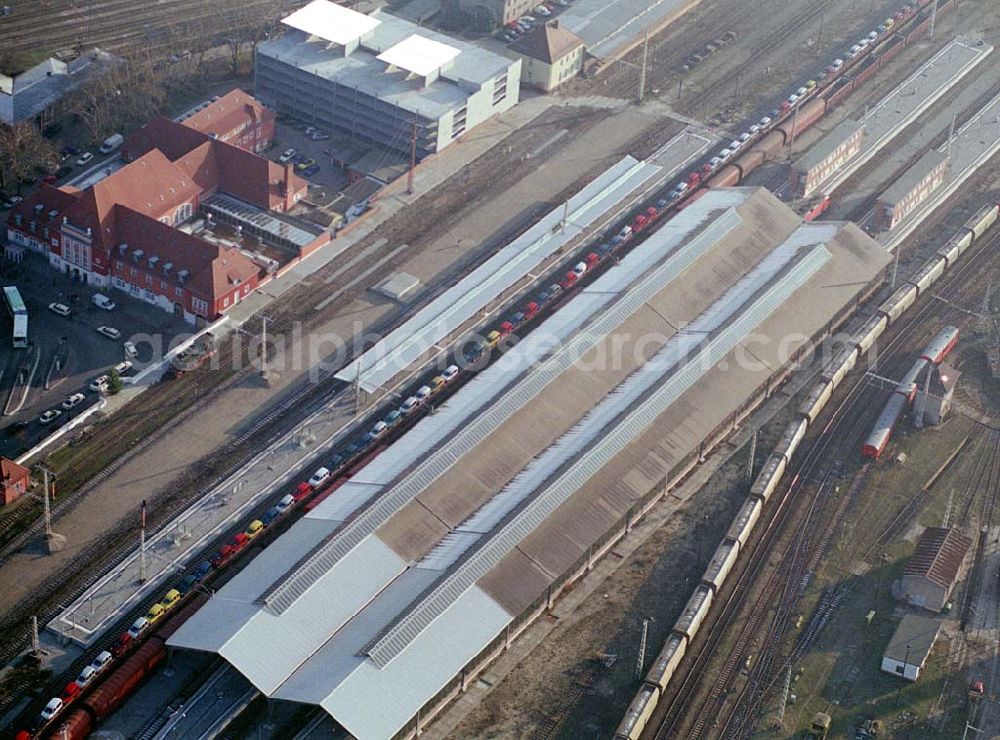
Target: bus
[19, 313]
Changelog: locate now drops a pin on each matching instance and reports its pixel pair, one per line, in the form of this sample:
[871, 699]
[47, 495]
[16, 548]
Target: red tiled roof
[170, 137]
[226, 113]
[10, 470]
[548, 42]
[212, 268]
[151, 185]
[50, 198]
[938, 556]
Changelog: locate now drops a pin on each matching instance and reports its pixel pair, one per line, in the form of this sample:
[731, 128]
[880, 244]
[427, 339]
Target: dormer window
[167, 267]
[137, 255]
[153, 260]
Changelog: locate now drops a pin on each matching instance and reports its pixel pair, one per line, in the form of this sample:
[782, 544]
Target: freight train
[655, 682]
[760, 140]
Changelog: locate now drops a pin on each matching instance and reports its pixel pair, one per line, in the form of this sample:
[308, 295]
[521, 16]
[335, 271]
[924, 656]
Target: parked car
[408, 405]
[378, 430]
[270, 516]
[101, 660]
[138, 627]
[310, 171]
[110, 332]
[286, 156]
[543, 11]
[170, 598]
[84, 159]
[130, 350]
[12, 201]
[102, 301]
[450, 373]
[155, 613]
[88, 674]
[319, 477]
[52, 709]
[73, 401]
[305, 164]
[765, 121]
[287, 502]
[123, 367]
[99, 384]
[50, 416]
[423, 393]
[60, 309]
[437, 383]
[255, 528]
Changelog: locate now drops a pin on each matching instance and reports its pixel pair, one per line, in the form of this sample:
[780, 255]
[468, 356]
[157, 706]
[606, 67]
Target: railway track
[111, 549]
[123, 26]
[740, 717]
[311, 397]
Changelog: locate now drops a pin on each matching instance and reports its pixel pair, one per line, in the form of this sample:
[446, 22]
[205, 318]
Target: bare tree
[245, 25]
[124, 98]
[23, 151]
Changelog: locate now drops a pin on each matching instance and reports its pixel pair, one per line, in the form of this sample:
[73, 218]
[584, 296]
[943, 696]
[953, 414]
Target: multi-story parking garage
[382, 79]
[384, 601]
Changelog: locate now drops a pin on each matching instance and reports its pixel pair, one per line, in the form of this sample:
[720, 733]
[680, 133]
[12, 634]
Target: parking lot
[328, 179]
[69, 351]
[538, 15]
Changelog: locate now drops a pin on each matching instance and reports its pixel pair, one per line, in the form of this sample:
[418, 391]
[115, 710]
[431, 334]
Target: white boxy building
[377, 76]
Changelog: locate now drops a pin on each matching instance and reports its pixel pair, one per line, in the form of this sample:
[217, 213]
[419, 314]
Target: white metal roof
[419, 55]
[330, 21]
[311, 650]
[462, 301]
[601, 424]
[460, 425]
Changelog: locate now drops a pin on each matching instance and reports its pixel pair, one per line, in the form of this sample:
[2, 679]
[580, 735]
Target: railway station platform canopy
[609, 28]
[372, 604]
[463, 301]
[907, 101]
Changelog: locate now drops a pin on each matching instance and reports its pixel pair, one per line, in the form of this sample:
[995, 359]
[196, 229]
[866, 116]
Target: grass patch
[841, 675]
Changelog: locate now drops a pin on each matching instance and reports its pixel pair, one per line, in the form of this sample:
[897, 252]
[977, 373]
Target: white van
[111, 143]
[102, 301]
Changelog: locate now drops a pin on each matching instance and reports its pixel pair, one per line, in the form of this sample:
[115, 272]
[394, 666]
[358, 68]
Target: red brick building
[123, 231]
[15, 480]
[236, 118]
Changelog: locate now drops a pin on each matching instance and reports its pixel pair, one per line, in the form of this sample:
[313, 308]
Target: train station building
[440, 551]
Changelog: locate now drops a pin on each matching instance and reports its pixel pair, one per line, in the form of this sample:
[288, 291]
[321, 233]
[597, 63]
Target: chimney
[286, 184]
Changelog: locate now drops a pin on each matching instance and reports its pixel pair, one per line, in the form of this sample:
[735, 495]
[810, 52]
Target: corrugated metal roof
[459, 422]
[436, 657]
[269, 648]
[938, 556]
[572, 450]
[913, 639]
[458, 304]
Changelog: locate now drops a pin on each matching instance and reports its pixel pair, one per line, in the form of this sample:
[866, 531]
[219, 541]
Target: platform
[900, 108]
[181, 543]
